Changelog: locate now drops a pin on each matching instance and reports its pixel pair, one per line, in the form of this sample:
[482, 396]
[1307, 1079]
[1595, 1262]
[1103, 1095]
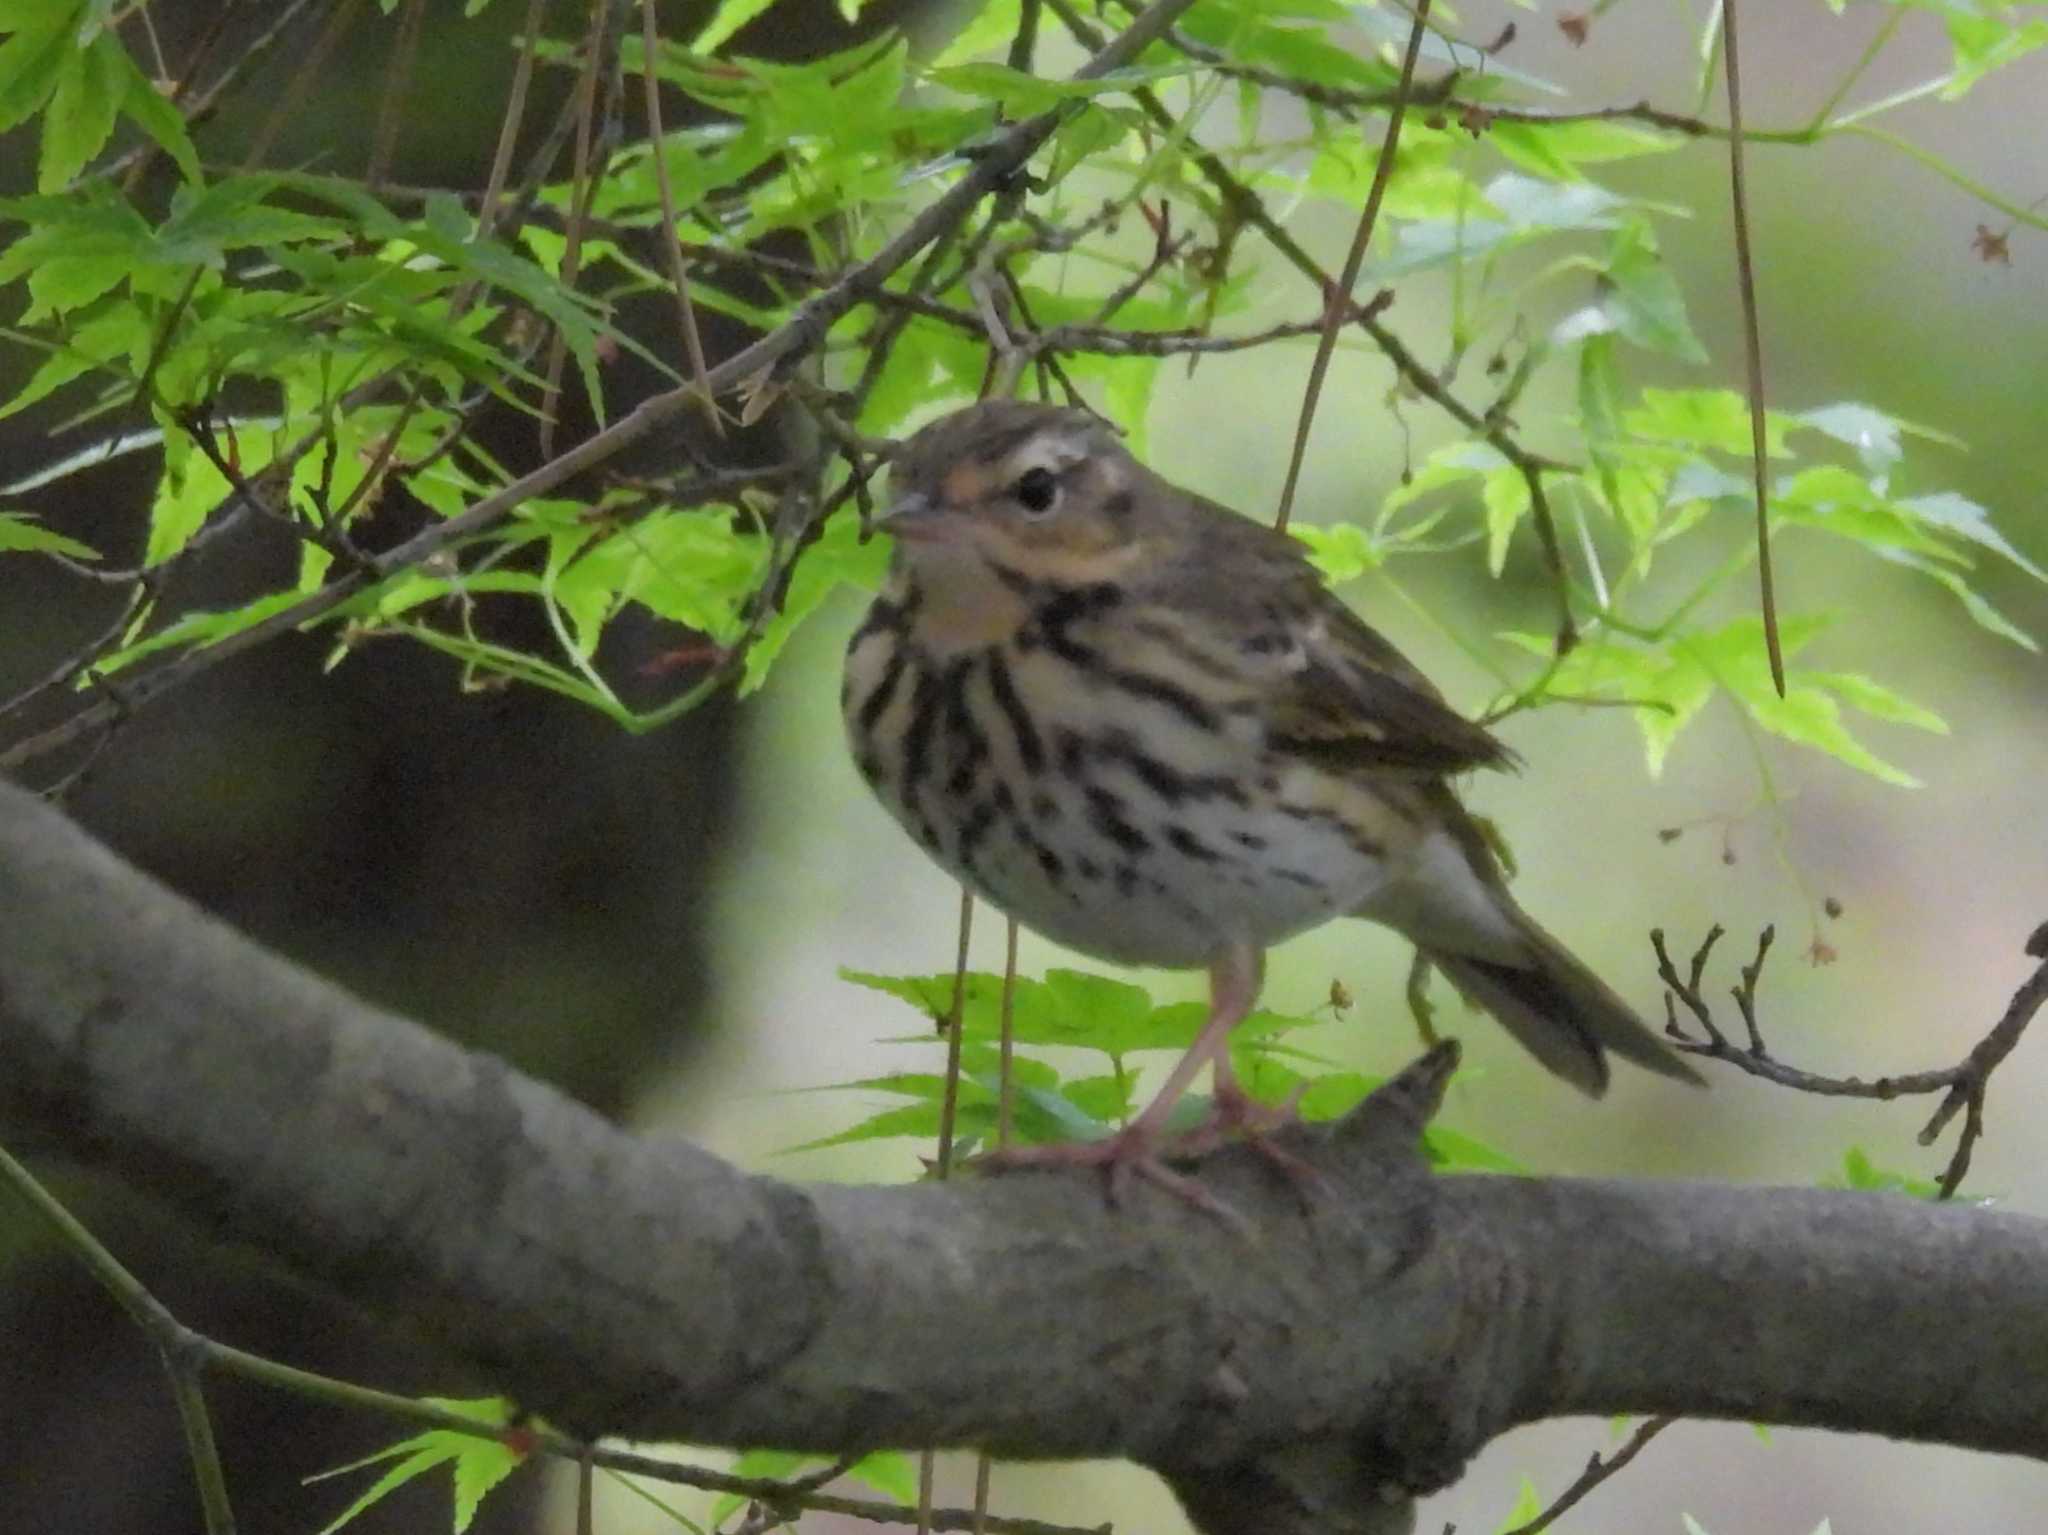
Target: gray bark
[1314, 1370]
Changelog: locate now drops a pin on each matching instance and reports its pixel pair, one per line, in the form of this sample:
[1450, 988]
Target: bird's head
[1011, 489]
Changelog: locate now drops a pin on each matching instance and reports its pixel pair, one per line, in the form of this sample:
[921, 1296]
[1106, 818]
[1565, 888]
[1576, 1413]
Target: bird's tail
[1561, 1012]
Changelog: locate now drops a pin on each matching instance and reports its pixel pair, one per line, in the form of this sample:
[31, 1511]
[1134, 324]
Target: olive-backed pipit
[1138, 723]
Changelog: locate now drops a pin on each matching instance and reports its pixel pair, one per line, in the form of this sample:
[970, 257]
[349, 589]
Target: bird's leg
[1234, 977]
[1135, 1149]
[1237, 1109]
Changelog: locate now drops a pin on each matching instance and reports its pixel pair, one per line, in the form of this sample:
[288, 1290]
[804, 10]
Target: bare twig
[293, 98]
[1005, 1104]
[942, 1167]
[581, 185]
[1338, 301]
[405, 52]
[896, 318]
[515, 114]
[1165, 250]
[73, 666]
[861, 456]
[1963, 1084]
[686, 314]
[1348, 104]
[1752, 349]
[1598, 1470]
[1553, 553]
[202, 106]
[950, 1106]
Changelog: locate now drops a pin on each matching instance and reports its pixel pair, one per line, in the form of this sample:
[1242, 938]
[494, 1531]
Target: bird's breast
[1106, 783]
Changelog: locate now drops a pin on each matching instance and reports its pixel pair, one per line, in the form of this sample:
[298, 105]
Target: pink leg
[1237, 1110]
[1234, 978]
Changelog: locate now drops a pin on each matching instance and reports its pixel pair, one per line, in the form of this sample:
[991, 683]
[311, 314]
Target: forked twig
[1598, 1470]
[1963, 1084]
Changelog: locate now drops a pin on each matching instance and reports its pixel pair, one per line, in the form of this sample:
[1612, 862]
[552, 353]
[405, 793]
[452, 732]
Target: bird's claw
[1139, 1152]
[1133, 1152]
[1236, 1111]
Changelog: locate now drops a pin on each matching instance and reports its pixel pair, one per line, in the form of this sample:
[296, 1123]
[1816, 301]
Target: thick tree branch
[1312, 1374]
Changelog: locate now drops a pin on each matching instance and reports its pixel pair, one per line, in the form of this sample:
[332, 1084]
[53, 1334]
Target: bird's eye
[1037, 490]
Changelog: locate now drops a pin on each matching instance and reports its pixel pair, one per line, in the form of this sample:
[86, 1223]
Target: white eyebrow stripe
[1047, 451]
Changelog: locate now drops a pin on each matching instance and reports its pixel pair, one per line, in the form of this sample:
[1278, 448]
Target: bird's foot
[1238, 1113]
[1132, 1152]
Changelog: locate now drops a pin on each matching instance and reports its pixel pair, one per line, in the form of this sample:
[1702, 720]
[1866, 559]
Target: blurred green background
[659, 923]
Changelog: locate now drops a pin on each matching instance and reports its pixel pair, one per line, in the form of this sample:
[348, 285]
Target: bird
[1140, 723]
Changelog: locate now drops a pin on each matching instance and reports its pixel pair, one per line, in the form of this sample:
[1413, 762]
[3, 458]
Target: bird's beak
[913, 516]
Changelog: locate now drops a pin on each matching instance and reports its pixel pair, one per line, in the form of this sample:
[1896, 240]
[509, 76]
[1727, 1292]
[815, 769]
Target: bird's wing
[1332, 690]
[1357, 702]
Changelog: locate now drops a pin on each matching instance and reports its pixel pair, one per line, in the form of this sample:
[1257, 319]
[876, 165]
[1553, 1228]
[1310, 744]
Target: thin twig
[201, 1353]
[207, 102]
[399, 75]
[515, 114]
[804, 330]
[1963, 1084]
[176, 1343]
[942, 1168]
[1349, 104]
[927, 1461]
[1752, 350]
[686, 314]
[949, 1106]
[1005, 1100]
[1338, 302]
[984, 1478]
[1598, 1470]
[1242, 203]
[580, 185]
[291, 101]
[201, 1448]
[73, 666]
[882, 338]
[1023, 45]
[244, 494]
[1553, 554]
